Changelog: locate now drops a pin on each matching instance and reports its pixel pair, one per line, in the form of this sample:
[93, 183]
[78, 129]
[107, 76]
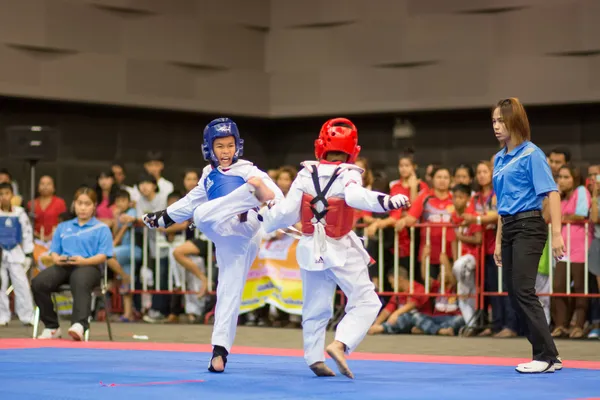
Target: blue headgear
[218, 128]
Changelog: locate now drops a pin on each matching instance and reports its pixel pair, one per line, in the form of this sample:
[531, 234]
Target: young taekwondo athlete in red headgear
[338, 134]
[323, 197]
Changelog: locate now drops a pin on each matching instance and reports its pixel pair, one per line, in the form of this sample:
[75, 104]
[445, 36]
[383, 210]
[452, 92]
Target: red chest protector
[337, 215]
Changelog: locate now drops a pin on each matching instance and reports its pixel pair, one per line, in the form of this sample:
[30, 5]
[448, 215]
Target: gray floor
[292, 338]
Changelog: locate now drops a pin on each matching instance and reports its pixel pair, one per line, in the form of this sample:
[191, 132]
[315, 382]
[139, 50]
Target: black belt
[525, 214]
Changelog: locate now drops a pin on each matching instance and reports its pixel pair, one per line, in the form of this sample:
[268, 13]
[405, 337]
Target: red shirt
[358, 214]
[423, 305]
[480, 205]
[444, 305]
[404, 235]
[430, 209]
[48, 217]
[468, 231]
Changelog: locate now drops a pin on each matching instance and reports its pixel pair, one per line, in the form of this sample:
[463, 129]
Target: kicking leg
[317, 291]
[224, 208]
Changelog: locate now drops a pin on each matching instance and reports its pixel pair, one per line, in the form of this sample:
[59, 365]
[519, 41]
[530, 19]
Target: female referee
[522, 179]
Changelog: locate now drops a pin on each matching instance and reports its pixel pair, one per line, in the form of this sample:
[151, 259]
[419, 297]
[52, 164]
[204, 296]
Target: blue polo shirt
[88, 240]
[521, 179]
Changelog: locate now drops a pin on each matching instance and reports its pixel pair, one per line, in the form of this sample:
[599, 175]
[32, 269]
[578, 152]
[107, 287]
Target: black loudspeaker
[33, 143]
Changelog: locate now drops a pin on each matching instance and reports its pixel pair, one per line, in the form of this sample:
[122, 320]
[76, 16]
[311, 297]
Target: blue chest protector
[10, 232]
[218, 184]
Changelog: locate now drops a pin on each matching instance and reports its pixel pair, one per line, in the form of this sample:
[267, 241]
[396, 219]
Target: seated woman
[79, 249]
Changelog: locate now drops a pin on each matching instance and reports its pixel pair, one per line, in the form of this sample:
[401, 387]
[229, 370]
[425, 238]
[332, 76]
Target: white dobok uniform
[218, 206]
[327, 261]
[16, 240]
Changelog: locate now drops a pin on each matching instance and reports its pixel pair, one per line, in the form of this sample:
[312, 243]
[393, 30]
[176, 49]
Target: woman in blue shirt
[79, 247]
[522, 179]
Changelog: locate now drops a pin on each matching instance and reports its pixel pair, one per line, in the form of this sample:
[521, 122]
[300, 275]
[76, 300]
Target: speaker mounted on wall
[32, 143]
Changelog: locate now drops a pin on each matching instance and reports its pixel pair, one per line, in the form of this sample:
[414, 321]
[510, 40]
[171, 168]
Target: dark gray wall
[93, 136]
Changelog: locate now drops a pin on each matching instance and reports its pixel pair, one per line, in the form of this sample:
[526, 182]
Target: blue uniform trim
[11, 232]
[217, 184]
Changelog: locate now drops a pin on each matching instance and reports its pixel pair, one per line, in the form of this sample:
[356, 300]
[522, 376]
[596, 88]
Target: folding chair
[96, 293]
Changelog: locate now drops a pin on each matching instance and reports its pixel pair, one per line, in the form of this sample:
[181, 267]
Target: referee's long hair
[514, 117]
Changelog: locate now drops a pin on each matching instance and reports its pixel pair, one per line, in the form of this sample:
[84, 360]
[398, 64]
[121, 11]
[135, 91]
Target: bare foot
[505, 333]
[486, 332]
[416, 331]
[217, 364]
[321, 369]
[446, 332]
[262, 193]
[336, 351]
[375, 329]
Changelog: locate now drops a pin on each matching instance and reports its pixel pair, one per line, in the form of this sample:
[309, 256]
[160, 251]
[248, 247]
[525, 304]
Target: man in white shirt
[154, 166]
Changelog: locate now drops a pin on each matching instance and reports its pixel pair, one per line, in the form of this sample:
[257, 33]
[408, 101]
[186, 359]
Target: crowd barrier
[162, 245]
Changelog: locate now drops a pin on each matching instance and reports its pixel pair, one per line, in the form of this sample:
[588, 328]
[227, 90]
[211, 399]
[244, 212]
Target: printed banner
[274, 278]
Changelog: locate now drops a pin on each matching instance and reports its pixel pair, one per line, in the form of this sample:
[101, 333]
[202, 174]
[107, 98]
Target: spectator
[446, 319]
[48, 207]
[429, 173]
[79, 248]
[594, 258]
[149, 201]
[558, 157]
[396, 316]
[367, 174]
[575, 207]
[463, 175]
[124, 215]
[6, 177]
[483, 210]
[361, 216]
[106, 192]
[154, 166]
[410, 186]
[16, 246]
[120, 175]
[431, 207]
[193, 272]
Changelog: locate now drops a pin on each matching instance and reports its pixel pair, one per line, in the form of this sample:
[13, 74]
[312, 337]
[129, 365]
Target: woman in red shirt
[482, 211]
[410, 186]
[432, 207]
[47, 209]
[367, 177]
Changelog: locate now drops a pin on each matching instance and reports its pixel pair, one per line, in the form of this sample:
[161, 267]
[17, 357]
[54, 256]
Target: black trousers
[523, 242]
[82, 281]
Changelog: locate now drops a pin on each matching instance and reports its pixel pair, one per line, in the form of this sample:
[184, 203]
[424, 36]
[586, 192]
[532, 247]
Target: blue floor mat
[54, 373]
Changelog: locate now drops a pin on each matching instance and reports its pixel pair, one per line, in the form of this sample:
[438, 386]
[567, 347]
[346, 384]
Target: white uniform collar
[235, 165]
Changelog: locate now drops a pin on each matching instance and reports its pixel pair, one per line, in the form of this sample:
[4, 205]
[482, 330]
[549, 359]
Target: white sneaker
[76, 332]
[50, 334]
[535, 367]
[558, 364]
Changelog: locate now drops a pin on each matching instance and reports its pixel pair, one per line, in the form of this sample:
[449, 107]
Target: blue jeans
[503, 313]
[403, 325]
[161, 302]
[432, 324]
[123, 255]
[594, 313]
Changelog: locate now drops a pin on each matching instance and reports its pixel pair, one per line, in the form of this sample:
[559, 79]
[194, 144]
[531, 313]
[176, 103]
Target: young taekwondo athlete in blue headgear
[224, 207]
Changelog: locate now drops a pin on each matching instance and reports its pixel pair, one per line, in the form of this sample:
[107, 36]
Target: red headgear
[335, 136]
